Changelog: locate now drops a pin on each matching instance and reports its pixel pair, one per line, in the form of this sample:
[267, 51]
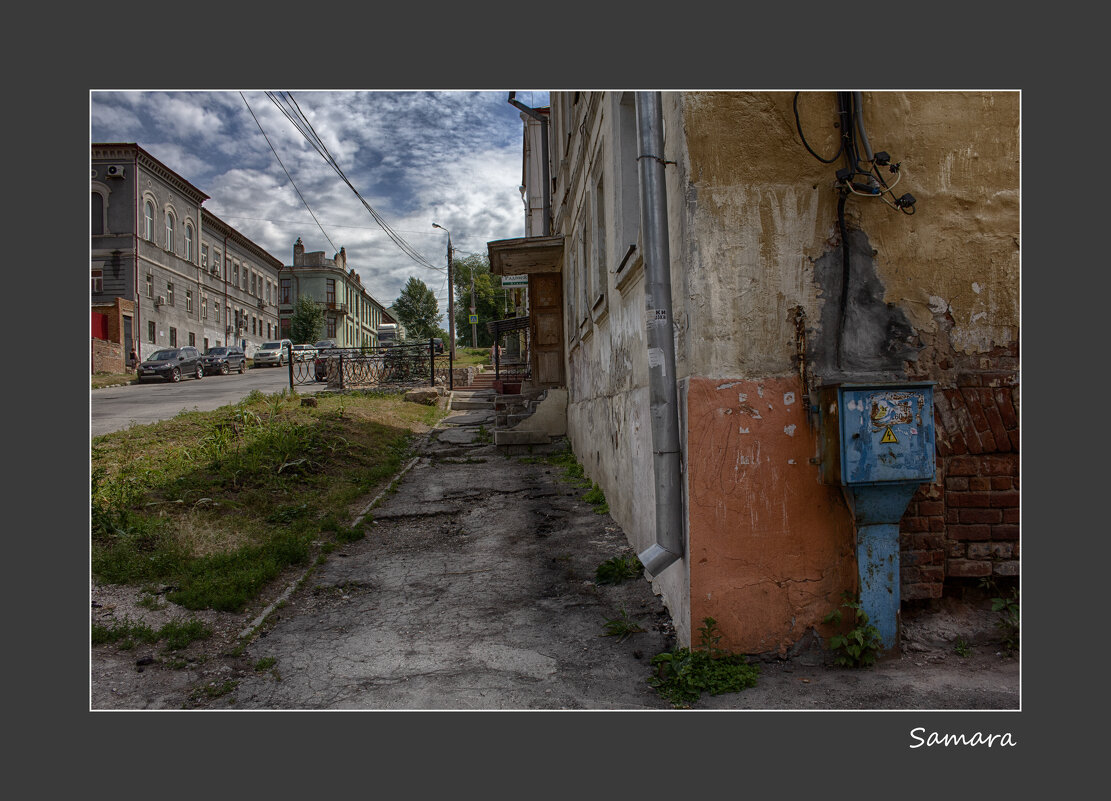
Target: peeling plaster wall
[756, 279]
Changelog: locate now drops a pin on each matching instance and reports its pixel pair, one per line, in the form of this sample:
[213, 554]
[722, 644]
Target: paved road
[116, 408]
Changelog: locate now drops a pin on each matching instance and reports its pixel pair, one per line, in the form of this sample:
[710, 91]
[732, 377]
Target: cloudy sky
[415, 157]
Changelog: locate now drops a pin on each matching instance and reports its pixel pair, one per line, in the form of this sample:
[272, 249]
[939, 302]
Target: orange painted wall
[771, 547]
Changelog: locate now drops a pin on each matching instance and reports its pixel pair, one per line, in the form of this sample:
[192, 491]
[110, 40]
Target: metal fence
[398, 366]
[511, 357]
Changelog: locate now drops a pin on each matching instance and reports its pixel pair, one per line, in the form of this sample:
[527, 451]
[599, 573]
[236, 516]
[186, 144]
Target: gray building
[194, 279]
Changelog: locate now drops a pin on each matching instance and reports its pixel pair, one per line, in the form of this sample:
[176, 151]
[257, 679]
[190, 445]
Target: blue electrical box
[877, 433]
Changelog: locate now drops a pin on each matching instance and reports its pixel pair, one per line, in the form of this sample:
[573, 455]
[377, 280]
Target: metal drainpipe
[543, 120]
[663, 394]
[135, 338]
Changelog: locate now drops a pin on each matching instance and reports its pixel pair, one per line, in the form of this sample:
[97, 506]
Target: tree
[489, 298]
[307, 323]
[418, 311]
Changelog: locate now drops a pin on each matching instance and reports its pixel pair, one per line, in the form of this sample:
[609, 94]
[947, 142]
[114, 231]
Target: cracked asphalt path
[473, 589]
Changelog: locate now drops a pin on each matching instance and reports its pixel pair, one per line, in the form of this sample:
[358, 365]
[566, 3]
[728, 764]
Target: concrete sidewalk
[474, 589]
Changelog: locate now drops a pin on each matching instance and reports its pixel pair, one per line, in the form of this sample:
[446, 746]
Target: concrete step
[458, 404]
[521, 438]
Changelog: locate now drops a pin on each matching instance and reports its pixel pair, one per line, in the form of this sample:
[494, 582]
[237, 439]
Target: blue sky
[416, 157]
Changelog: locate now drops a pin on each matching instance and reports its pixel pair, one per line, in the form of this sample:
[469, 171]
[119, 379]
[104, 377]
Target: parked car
[274, 353]
[438, 345]
[224, 360]
[170, 364]
[303, 353]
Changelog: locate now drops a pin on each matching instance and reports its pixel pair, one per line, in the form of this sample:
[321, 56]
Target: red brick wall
[966, 524]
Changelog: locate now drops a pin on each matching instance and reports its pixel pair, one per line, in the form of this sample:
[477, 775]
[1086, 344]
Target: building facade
[192, 279]
[351, 314]
[785, 278]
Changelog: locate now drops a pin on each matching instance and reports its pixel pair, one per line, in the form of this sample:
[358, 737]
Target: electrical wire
[287, 175]
[802, 136]
[293, 113]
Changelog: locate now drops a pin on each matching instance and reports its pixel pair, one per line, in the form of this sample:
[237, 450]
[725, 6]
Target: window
[287, 326]
[192, 340]
[235, 274]
[98, 281]
[330, 292]
[170, 293]
[599, 254]
[206, 344]
[150, 331]
[204, 307]
[217, 263]
[188, 242]
[204, 256]
[285, 291]
[150, 286]
[267, 291]
[253, 292]
[98, 213]
[189, 300]
[216, 311]
[170, 231]
[173, 337]
[148, 221]
[330, 328]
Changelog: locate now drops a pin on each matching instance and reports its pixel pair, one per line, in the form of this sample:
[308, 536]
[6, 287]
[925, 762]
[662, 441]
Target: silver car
[274, 354]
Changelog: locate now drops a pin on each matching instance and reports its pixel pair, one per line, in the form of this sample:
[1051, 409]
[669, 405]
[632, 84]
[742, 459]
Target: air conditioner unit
[262, 304]
[160, 300]
[114, 171]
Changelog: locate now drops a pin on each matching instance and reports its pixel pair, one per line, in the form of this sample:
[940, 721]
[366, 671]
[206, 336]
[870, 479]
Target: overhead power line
[288, 106]
[287, 175]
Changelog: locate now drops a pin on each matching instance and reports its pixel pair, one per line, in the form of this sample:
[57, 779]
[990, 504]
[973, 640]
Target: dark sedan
[224, 360]
[170, 364]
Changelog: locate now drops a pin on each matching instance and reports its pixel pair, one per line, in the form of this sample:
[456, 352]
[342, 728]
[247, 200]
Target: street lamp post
[450, 293]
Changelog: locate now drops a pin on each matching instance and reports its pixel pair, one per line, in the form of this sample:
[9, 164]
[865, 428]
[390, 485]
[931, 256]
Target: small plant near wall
[622, 627]
[860, 646]
[683, 674]
[961, 648]
[618, 569]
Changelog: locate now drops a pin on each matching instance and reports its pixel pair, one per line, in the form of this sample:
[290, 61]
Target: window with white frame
[170, 293]
[192, 339]
[204, 307]
[150, 285]
[170, 231]
[98, 281]
[216, 312]
[204, 256]
[150, 331]
[235, 273]
[148, 221]
[188, 242]
[253, 283]
[189, 300]
[173, 337]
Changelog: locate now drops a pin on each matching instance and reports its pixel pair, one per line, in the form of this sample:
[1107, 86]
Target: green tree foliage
[418, 311]
[307, 323]
[489, 298]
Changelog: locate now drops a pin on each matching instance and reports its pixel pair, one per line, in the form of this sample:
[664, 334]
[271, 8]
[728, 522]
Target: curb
[254, 624]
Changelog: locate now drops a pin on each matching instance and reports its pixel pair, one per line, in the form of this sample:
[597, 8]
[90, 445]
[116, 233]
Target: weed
[152, 602]
[618, 569]
[1006, 605]
[596, 498]
[683, 674]
[622, 627]
[179, 634]
[265, 663]
[483, 435]
[216, 689]
[860, 646]
[961, 648]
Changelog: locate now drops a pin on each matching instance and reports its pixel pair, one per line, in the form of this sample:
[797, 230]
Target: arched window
[148, 221]
[188, 242]
[170, 231]
[98, 213]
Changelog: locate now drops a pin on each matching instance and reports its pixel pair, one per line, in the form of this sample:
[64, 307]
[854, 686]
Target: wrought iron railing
[511, 356]
[399, 366]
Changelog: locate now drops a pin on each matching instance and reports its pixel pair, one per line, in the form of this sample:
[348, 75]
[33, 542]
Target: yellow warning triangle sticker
[888, 436]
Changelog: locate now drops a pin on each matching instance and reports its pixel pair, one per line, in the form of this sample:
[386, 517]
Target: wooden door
[546, 324]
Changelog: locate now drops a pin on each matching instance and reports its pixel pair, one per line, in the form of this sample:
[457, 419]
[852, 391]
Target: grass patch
[622, 627]
[219, 503]
[176, 633]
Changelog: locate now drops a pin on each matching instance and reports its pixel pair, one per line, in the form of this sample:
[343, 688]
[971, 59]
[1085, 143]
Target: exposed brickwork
[966, 524]
[107, 357]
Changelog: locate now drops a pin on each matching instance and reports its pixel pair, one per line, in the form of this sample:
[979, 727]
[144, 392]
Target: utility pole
[450, 293]
[474, 326]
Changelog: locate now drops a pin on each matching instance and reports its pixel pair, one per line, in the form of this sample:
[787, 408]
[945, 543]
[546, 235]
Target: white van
[274, 353]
